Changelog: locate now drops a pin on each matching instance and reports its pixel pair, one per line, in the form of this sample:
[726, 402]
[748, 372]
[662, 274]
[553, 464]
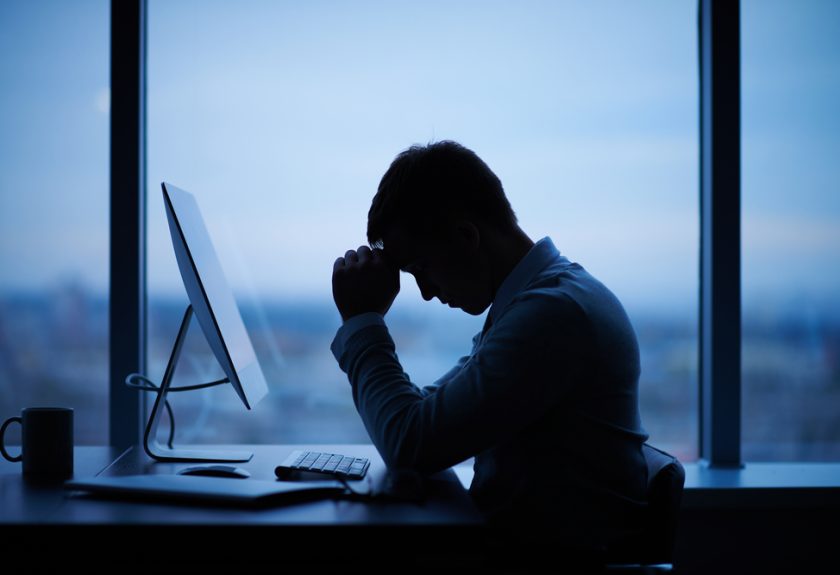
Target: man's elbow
[407, 458]
[402, 446]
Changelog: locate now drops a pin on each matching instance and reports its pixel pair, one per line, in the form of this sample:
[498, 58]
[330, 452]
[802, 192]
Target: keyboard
[331, 464]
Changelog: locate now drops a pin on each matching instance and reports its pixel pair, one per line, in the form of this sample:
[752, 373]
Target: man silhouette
[547, 400]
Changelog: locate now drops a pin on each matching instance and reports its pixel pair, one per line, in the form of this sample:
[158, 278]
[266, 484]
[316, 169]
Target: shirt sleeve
[352, 326]
[523, 368]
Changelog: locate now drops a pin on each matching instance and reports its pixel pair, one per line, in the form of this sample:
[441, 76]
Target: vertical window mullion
[127, 314]
[720, 233]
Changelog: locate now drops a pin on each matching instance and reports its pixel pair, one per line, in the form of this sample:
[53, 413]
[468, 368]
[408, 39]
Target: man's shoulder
[559, 286]
[572, 283]
[547, 301]
[565, 291]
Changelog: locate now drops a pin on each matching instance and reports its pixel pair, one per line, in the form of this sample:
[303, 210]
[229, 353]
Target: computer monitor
[212, 302]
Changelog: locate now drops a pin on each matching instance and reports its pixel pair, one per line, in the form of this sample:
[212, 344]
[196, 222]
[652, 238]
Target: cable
[149, 385]
[152, 386]
[129, 381]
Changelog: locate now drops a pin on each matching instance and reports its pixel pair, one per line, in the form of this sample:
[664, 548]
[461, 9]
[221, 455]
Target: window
[791, 230]
[282, 117]
[54, 113]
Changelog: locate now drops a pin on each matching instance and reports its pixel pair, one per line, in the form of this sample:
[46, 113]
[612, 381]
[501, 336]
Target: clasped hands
[364, 281]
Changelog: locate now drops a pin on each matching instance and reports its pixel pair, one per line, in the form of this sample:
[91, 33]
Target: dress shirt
[546, 402]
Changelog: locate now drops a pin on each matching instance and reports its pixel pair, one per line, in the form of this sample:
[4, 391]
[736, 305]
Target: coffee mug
[46, 442]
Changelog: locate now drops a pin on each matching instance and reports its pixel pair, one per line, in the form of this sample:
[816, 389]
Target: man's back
[577, 468]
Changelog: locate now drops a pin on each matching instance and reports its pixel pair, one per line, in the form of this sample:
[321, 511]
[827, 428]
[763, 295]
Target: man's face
[447, 268]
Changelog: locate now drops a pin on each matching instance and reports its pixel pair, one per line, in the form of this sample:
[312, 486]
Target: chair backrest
[666, 478]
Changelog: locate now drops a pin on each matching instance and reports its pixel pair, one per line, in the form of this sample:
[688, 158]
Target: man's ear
[467, 236]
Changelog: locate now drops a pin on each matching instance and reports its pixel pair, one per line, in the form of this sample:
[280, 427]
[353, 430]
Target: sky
[282, 116]
[538, 90]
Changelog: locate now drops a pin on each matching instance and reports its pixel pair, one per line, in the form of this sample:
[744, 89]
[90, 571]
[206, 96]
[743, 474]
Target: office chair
[666, 478]
[649, 550]
[653, 550]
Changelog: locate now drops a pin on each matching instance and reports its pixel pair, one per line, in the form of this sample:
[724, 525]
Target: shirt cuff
[353, 326]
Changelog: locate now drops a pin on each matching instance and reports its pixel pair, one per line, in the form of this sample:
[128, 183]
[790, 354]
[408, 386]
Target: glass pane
[791, 229]
[282, 117]
[54, 114]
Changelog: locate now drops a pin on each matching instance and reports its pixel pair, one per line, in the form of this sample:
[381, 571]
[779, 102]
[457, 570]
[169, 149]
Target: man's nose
[427, 289]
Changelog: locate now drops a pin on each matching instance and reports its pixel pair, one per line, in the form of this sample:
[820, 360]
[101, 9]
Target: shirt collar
[537, 259]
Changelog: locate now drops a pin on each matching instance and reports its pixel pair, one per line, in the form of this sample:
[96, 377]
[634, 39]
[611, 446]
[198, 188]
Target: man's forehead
[401, 248]
[405, 246]
[396, 251]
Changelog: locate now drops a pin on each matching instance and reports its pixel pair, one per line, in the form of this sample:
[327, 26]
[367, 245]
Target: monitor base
[161, 453]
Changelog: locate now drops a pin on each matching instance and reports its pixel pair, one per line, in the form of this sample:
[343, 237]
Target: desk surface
[444, 527]
[446, 502]
[23, 502]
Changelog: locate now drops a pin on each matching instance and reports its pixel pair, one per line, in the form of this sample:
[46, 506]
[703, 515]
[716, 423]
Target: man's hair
[427, 186]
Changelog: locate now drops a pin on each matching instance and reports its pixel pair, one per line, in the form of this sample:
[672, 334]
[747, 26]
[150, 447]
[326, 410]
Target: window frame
[719, 335]
[127, 304]
[720, 234]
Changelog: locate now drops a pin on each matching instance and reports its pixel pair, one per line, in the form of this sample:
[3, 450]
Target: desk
[24, 503]
[444, 525]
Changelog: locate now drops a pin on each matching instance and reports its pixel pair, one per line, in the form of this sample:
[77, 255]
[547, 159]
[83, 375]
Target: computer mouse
[216, 471]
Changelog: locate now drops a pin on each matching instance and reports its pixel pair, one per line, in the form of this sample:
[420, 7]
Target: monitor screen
[211, 297]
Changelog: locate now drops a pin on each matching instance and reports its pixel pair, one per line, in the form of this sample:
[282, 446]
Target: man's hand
[364, 281]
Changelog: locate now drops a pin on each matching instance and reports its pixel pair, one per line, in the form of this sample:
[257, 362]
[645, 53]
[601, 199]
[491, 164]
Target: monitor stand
[150, 443]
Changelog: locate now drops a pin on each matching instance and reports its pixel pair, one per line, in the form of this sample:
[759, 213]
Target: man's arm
[521, 370]
[433, 387]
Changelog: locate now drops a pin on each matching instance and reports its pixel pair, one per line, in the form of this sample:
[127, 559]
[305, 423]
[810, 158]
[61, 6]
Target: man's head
[437, 211]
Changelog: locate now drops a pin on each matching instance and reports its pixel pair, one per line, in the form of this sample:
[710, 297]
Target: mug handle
[3, 440]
